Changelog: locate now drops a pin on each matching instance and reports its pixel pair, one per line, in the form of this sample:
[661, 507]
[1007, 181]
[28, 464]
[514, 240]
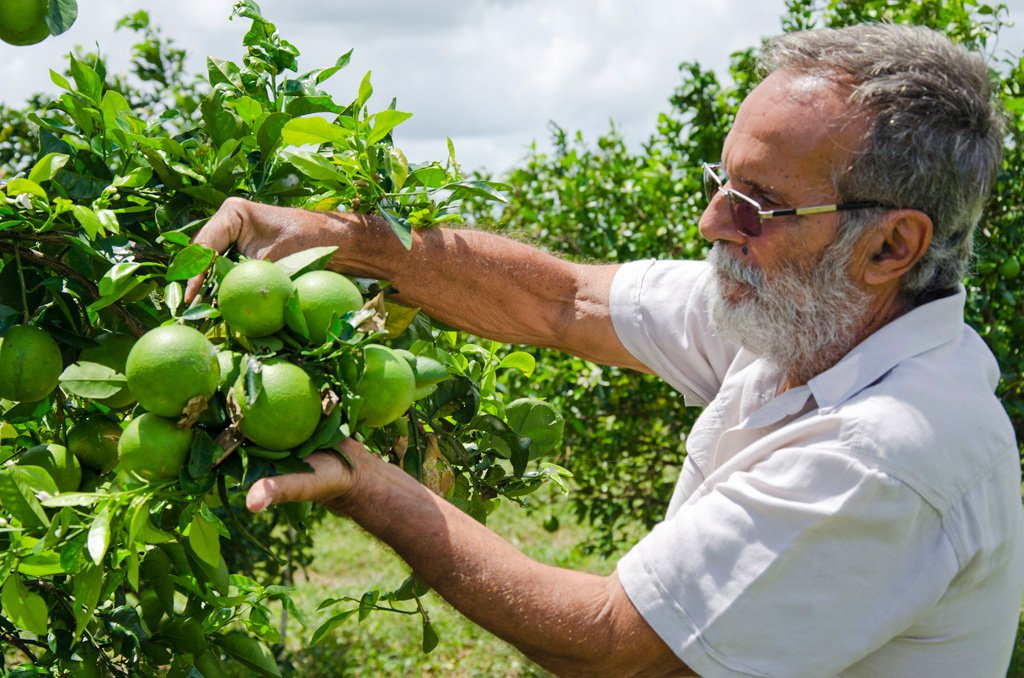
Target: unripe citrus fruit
[387, 386]
[170, 365]
[23, 22]
[62, 466]
[322, 296]
[94, 441]
[1010, 268]
[286, 411]
[112, 352]
[30, 364]
[252, 297]
[154, 447]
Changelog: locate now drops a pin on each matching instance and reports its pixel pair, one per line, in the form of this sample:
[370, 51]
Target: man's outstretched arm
[571, 623]
[476, 281]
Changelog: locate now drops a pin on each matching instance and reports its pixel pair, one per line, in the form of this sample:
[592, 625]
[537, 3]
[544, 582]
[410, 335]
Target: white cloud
[491, 74]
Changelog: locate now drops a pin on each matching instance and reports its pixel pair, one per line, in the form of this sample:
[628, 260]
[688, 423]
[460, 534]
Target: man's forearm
[570, 622]
[488, 285]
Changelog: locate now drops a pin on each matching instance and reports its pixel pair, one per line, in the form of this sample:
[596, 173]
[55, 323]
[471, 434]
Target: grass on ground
[349, 562]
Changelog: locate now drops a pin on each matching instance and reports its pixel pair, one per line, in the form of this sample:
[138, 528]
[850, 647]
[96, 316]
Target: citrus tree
[132, 422]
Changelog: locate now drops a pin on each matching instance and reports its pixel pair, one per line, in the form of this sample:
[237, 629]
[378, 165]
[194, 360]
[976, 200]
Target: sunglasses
[747, 214]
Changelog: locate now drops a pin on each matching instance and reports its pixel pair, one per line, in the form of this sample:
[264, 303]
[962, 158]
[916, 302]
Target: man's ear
[896, 245]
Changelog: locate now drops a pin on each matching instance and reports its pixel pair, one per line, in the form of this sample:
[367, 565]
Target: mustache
[730, 268]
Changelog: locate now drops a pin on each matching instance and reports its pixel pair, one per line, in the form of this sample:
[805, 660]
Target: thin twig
[134, 324]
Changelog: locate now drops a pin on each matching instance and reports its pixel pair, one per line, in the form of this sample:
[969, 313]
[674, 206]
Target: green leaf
[519, 360]
[136, 178]
[46, 167]
[324, 629]
[59, 80]
[25, 608]
[190, 262]
[220, 122]
[117, 113]
[365, 92]
[99, 536]
[118, 281]
[207, 194]
[18, 488]
[315, 166]
[21, 185]
[538, 420]
[60, 15]
[400, 226]
[87, 586]
[42, 565]
[204, 540]
[250, 652]
[430, 638]
[200, 312]
[384, 122]
[269, 134]
[248, 109]
[91, 380]
[89, 83]
[312, 130]
[88, 220]
[313, 259]
[475, 189]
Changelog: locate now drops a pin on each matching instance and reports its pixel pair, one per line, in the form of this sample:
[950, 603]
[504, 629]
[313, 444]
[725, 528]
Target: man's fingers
[331, 478]
[220, 232]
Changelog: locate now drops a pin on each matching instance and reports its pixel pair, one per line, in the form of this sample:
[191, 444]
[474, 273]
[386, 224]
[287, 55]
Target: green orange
[286, 410]
[252, 297]
[55, 459]
[23, 22]
[387, 386]
[170, 365]
[94, 441]
[30, 364]
[153, 447]
[323, 296]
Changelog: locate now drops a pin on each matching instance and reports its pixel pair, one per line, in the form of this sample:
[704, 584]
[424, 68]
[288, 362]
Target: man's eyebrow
[752, 185]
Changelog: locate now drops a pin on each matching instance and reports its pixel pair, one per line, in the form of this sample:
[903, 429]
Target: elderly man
[850, 503]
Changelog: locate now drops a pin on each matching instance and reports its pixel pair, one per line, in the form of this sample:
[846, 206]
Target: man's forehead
[792, 117]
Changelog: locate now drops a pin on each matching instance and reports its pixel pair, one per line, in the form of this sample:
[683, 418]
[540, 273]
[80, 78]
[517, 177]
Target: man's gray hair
[935, 141]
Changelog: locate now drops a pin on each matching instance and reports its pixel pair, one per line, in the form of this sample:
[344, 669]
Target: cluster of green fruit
[180, 378]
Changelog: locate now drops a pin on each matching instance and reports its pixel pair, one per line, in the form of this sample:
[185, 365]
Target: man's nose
[716, 222]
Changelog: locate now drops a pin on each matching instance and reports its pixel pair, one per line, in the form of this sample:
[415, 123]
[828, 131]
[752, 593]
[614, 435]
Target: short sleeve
[659, 313]
[800, 566]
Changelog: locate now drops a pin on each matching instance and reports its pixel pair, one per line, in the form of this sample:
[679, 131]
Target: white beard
[802, 321]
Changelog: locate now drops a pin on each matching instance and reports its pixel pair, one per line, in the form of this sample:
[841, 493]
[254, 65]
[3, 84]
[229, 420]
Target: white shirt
[866, 524]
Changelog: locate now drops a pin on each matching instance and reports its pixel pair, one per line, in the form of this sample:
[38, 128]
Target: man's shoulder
[934, 422]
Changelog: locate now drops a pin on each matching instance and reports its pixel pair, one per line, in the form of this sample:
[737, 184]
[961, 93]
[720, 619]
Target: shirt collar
[922, 329]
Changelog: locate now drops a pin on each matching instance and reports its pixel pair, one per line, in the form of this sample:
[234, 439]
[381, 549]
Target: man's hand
[332, 481]
[263, 232]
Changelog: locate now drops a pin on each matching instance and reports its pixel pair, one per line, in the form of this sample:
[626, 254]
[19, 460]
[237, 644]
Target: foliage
[100, 191]
[601, 201]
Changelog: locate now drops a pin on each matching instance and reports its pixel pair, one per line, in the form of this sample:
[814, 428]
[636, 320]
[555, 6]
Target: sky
[490, 74]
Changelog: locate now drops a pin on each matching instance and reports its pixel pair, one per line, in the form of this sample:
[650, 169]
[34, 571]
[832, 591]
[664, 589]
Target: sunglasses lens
[744, 214]
[711, 183]
[744, 217]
